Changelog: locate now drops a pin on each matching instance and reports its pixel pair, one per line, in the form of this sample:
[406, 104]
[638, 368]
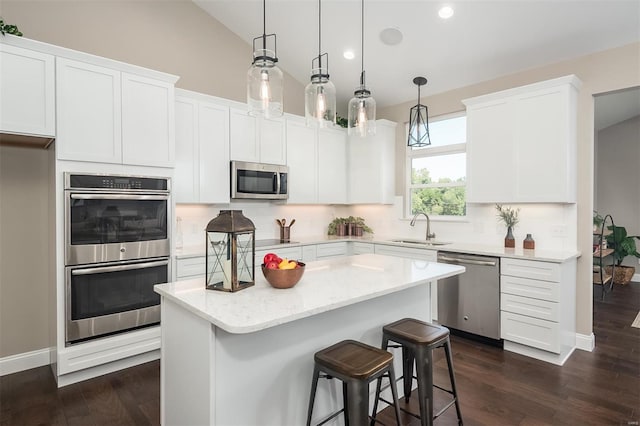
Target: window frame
[436, 151]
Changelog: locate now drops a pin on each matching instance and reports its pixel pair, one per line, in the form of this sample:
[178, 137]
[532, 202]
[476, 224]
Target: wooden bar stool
[418, 339]
[356, 365]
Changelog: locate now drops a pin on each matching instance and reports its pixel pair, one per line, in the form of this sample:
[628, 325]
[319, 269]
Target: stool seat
[356, 364]
[354, 359]
[416, 331]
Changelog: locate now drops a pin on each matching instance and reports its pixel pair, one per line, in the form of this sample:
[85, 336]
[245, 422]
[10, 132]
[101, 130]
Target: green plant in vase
[623, 245]
[509, 216]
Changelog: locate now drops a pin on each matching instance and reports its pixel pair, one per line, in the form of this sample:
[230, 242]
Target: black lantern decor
[231, 251]
[419, 120]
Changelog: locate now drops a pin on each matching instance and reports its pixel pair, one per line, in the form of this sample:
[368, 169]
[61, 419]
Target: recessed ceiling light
[348, 54]
[445, 12]
[391, 36]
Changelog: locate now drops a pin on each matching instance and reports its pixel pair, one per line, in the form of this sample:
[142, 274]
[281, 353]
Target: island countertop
[326, 285]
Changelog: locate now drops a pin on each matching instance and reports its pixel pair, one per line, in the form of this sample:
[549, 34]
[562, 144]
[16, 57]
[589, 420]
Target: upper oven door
[106, 227]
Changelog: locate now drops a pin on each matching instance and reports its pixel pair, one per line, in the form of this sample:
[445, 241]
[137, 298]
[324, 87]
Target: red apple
[271, 265]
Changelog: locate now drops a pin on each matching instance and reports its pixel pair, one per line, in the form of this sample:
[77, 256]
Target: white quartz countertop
[545, 255]
[325, 285]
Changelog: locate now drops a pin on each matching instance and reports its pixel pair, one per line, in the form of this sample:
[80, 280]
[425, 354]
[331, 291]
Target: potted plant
[623, 245]
[337, 226]
[9, 29]
[598, 220]
[509, 216]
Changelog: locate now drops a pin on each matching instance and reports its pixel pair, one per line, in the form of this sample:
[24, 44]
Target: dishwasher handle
[460, 261]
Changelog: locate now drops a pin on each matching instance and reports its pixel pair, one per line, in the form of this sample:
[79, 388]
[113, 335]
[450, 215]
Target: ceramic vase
[509, 240]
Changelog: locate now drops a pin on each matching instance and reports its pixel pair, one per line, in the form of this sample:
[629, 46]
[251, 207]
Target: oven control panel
[108, 182]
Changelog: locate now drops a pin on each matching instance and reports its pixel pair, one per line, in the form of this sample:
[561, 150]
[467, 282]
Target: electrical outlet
[558, 231]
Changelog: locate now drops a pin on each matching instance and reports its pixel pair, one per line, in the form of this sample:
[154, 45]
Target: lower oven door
[109, 298]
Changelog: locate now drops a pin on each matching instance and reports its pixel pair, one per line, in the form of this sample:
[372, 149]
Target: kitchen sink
[421, 242]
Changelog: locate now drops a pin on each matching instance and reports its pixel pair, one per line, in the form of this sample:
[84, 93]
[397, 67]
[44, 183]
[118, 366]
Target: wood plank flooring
[495, 387]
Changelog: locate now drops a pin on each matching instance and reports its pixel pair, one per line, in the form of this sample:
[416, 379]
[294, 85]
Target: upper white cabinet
[371, 166]
[521, 144]
[258, 140]
[201, 172]
[332, 166]
[317, 159]
[147, 121]
[27, 92]
[302, 155]
[109, 116]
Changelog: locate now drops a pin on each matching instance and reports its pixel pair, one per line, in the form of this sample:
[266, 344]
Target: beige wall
[25, 286]
[617, 176]
[601, 72]
[171, 36]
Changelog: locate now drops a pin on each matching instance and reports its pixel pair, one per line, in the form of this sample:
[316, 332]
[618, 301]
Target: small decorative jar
[529, 243]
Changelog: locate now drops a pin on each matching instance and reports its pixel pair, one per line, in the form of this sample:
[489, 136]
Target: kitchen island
[246, 358]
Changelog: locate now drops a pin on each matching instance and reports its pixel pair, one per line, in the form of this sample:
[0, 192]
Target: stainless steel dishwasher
[470, 302]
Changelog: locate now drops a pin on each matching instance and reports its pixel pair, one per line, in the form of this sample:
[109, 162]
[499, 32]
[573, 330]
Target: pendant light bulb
[265, 81]
[320, 93]
[362, 107]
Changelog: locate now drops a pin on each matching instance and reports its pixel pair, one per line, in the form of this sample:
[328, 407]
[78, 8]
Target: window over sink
[436, 174]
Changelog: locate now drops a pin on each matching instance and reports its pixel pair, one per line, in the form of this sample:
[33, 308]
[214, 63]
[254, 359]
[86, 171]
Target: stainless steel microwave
[259, 181]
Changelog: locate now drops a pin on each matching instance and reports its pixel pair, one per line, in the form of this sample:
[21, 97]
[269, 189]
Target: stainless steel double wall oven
[117, 247]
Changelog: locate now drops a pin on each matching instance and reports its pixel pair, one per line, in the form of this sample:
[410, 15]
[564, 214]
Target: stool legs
[312, 394]
[424, 364]
[452, 378]
[407, 372]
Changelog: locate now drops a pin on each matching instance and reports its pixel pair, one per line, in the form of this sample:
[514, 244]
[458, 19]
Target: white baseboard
[25, 361]
[636, 278]
[585, 342]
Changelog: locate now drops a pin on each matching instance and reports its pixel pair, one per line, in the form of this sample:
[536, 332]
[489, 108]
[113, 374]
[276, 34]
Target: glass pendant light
[419, 120]
[320, 93]
[362, 107]
[265, 81]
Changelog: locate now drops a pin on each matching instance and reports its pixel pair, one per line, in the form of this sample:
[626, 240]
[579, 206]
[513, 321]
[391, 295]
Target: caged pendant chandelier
[265, 81]
[320, 93]
[362, 107]
[419, 121]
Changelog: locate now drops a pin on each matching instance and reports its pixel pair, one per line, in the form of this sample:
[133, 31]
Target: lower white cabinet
[202, 150]
[190, 267]
[361, 248]
[537, 304]
[291, 253]
[329, 250]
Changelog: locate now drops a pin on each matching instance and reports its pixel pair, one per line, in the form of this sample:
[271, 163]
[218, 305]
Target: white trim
[542, 355]
[585, 342]
[25, 361]
[636, 278]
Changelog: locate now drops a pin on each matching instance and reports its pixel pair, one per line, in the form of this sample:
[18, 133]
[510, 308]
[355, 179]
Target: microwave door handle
[117, 268]
[118, 197]
[277, 183]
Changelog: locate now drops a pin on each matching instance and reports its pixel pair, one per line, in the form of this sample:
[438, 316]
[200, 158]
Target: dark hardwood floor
[495, 387]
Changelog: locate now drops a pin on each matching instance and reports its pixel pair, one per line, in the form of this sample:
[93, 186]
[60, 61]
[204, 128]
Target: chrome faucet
[413, 223]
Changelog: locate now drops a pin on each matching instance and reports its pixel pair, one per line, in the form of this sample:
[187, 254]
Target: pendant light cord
[320, 35]
[362, 44]
[264, 24]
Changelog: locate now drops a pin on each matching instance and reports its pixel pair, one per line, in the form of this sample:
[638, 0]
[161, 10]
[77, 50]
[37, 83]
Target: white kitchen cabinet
[332, 166]
[329, 250]
[257, 140]
[27, 92]
[291, 253]
[361, 248]
[190, 267]
[537, 308]
[147, 121]
[202, 150]
[302, 160]
[521, 144]
[371, 166]
[108, 116]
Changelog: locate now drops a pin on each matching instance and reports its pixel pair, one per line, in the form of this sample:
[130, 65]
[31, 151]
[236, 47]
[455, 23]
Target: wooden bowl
[283, 278]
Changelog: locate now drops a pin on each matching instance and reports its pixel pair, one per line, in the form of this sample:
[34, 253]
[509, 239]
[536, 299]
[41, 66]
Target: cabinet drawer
[530, 331]
[308, 253]
[415, 253]
[545, 290]
[292, 253]
[362, 248]
[190, 267]
[536, 308]
[331, 249]
[546, 271]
